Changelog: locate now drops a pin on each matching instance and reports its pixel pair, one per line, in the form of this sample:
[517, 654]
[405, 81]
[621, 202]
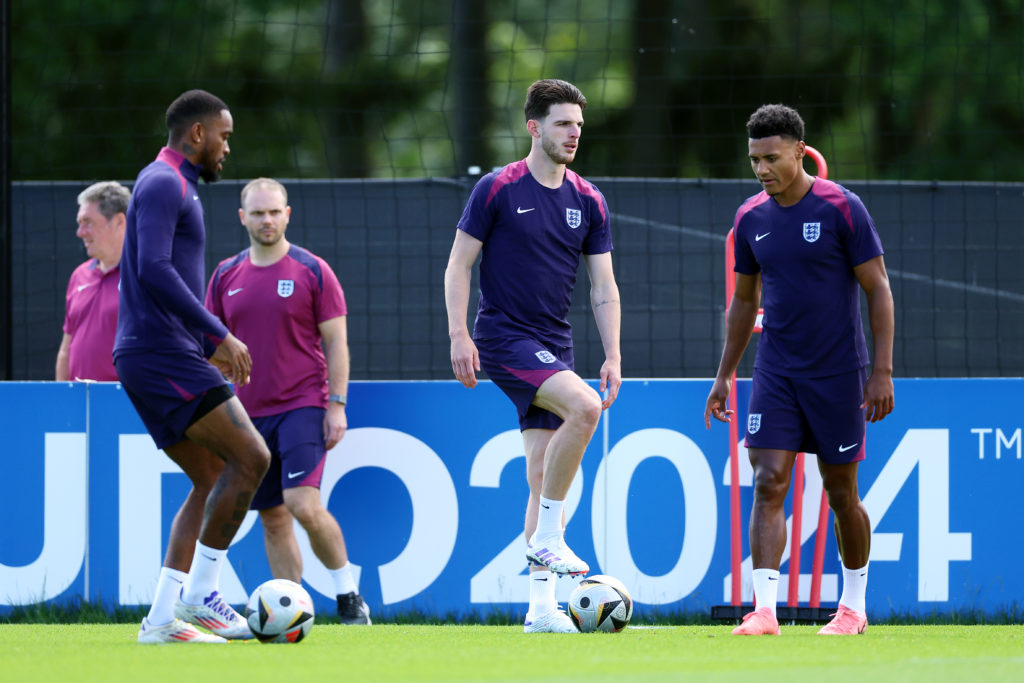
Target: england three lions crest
[285, 288]
[812, 231]
[545, 357]
[574, 217]
[753, 423]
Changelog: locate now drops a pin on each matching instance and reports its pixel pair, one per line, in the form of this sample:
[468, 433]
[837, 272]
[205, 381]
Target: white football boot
[554, 554]
[555, 621]
[174, 631]
[215, 615]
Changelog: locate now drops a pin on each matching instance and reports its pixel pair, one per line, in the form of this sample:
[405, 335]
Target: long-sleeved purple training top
[161, 304]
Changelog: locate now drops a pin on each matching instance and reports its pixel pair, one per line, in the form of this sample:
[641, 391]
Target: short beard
[208, 167]
[209, 175]
[554, 152]
[262, 241]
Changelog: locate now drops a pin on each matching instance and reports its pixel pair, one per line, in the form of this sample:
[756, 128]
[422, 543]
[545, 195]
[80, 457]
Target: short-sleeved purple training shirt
[90, 318]
[806, 254]
[533, 237]
[275, 310]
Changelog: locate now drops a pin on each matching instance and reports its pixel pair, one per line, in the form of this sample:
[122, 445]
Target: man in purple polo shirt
[532, 220]
[172, 356]
[288, 303]
[90, 303]
[805, 247]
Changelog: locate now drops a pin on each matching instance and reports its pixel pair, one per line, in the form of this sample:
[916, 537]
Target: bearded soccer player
[805, 248]
[174, 359]
[288, 303]
[532, 221]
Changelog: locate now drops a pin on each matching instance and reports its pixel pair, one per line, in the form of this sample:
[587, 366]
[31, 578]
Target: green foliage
[74, 613]
[353, 88]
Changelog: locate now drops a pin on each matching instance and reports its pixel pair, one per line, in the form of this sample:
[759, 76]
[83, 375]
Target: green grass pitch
[69, 653]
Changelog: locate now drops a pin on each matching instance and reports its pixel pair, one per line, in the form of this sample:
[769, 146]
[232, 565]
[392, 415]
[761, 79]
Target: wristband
[338, 398]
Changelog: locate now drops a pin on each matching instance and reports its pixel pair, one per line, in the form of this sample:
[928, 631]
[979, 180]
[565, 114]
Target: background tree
[410, 88]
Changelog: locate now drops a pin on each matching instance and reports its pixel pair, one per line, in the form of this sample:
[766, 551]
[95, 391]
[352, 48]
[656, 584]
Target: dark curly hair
[775, 119]
[189, 107]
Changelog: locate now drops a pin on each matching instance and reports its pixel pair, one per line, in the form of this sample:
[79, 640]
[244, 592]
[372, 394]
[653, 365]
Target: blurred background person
[90, 304]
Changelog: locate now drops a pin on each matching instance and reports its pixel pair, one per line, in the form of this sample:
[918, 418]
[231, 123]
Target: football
[279, 611]
[600, 603]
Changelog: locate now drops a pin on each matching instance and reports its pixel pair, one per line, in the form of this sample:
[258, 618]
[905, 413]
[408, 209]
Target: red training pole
[818, 565]
[819, 161]
[735, 532]
[794, 541]
[819, 551]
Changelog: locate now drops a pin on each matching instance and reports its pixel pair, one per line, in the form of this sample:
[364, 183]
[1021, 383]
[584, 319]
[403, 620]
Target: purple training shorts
[820, 415]
[166, 389]
[297, 453]
[519, 367]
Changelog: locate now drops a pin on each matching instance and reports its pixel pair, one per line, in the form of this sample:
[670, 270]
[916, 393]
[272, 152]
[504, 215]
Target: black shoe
[352, 610]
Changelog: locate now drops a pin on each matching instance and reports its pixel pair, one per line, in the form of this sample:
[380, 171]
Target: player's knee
[842, 498]
[307, 513]
[586, 410]
[276, 524]
[770, 486]
[254, 464]
[261, 456]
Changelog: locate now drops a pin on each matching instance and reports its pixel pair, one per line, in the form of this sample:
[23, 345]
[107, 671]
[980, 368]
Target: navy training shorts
[519, 366]
[166, 389]
[820, 415]
[297, 453]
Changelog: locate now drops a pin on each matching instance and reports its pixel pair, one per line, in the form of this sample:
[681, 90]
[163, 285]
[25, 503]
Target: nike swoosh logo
[211, 559]
[232, 292]
[519, 209]
[546, 507]
[758, 238]
[81, 287]
[773, 578]
[292, 475]
[843, 449]
[544, 579]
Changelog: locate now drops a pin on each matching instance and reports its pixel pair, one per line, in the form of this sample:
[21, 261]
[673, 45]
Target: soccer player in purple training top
[90, 318]
[288, 303]
[532, 220]
[805, 247]
[173, 356]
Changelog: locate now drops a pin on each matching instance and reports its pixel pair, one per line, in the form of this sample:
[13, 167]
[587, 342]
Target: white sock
[168, 588]
[549, 518]
[542, 593]
[204, 576]
[343, 581]
[766, 588]
[855, 584]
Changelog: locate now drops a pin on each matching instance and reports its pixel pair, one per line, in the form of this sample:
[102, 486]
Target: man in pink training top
[289, 305]
[805, 248]
[90, 304]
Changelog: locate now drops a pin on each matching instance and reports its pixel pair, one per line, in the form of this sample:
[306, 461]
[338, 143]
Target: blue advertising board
[429, 487]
